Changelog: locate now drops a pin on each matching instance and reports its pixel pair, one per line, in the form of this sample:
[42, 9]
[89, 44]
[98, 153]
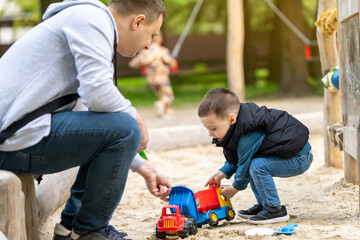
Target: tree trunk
[275, 59]
[294, 72]
[249, 56]
[235, 48]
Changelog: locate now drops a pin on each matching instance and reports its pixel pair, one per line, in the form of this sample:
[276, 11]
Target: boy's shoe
[251, 212]
[105, 233]
[270, 215]
[61, 233]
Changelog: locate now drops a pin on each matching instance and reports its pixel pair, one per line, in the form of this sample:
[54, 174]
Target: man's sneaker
[105, 233]
[61, 233]
[270, 215]
[251, 211]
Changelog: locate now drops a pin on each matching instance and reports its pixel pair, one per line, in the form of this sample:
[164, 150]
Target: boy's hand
[215, 179]
[228, 191]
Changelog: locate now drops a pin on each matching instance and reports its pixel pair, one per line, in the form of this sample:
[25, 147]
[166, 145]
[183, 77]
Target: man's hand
[228, 191]
[144, 132]
[156, 182]
[215, 179]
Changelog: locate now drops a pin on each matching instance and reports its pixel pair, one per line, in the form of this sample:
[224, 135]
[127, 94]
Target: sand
[320, 202]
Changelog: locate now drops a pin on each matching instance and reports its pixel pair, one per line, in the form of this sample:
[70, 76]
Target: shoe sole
[245, 216]
[272, 220]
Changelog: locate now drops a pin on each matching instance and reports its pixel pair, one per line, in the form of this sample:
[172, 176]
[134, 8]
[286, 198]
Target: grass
[189, 89]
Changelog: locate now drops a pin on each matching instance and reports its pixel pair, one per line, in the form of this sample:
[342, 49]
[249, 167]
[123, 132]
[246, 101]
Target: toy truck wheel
[213, 219]
[184, 233]
[192, 226]
[230, 214]
[161, 235]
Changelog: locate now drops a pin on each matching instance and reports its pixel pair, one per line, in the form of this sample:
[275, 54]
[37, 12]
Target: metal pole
[184, 33]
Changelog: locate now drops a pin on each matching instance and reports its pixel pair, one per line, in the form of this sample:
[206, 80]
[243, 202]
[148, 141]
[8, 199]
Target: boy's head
[218, 111]
[138, 22]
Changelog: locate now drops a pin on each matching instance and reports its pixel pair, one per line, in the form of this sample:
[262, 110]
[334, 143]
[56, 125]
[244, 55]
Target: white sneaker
[61, 233]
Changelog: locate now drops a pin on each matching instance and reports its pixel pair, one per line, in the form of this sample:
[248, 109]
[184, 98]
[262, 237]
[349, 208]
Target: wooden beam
[235, 48]
[332, 112]
[31, 212]
[12, 212]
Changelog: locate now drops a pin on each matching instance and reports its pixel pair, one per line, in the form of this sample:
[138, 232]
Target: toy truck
[188, 211]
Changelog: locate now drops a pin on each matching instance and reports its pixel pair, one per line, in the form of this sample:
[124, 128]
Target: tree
[294, 68]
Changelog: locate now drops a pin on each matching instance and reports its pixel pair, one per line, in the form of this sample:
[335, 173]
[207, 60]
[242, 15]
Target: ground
[320, 202]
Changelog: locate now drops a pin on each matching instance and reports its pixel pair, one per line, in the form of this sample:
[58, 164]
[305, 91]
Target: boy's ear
[232, 118]
[137, 21]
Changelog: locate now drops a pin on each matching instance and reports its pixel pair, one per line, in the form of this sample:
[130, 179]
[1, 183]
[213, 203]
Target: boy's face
[217, 126]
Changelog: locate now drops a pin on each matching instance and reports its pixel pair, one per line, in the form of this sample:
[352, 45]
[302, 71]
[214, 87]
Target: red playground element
[143, 70]
[175, 69]
[207, 199]
[308, 54]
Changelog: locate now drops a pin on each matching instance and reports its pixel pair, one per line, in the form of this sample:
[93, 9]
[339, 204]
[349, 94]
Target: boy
[259, 143]
[71, 51]
[158, 61]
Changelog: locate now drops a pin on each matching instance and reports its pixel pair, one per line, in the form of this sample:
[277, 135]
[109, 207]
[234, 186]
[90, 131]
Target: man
[71, 51]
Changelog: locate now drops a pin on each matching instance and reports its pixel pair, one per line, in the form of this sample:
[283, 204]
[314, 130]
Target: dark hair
[220, 101]
[152, 9]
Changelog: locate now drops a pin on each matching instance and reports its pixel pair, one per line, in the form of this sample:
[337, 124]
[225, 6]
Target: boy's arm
[248, 145]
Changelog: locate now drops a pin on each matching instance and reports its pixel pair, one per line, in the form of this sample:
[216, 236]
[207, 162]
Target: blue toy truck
[204, 207]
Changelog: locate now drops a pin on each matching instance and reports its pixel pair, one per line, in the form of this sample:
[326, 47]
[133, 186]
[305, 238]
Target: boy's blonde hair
[219, 101]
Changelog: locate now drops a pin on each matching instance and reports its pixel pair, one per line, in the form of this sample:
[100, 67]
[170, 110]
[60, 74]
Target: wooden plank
[350, 84]
[12, 212]
[332, 112]
[31, 213]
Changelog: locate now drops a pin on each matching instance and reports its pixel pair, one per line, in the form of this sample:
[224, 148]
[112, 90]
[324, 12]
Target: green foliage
[317, 85]
[210, 19]
[190, 88]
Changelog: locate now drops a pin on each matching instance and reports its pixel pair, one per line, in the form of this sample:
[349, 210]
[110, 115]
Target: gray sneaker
[105, 233]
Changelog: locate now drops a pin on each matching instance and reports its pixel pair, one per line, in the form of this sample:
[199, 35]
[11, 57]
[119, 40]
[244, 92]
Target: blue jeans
[102, 144]
[262, 171]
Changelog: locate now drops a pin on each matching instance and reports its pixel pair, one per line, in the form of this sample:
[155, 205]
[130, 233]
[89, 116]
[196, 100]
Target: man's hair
[219, 101]
[152, 9]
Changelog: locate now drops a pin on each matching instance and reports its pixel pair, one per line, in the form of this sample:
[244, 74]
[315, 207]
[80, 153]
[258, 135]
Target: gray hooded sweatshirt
[70, 51]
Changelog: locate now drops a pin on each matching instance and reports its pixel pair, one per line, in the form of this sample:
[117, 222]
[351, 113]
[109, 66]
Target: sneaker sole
[273, 220]
[245, 216]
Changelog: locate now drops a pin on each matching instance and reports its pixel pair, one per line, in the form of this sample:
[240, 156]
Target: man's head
[138, 21]
[218, 111]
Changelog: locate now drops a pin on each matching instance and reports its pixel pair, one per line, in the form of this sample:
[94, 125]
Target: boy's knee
[256, 167]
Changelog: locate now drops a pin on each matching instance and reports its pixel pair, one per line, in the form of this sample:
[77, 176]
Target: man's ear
[232, 118]
[137, 21]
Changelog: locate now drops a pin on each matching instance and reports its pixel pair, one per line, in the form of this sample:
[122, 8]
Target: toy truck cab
[172, 222]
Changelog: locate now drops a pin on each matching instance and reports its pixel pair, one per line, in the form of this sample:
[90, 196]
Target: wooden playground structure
[24, 205]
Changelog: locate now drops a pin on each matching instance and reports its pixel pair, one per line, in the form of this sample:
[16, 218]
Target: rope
[290, 24]
[184, 33]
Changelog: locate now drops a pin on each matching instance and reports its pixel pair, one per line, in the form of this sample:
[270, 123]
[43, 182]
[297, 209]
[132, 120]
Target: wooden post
[332, 112]
[235, 48]
[349, 73]
[12, 216]
[31, 212]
